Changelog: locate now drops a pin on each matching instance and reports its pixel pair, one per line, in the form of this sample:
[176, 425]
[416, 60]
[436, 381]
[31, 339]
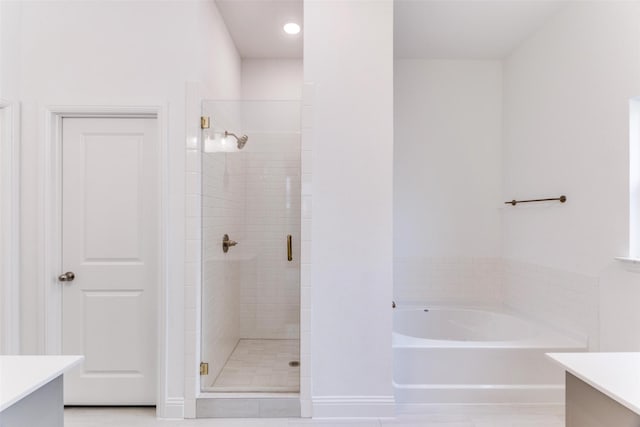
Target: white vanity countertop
[617, 375]
[22, 375]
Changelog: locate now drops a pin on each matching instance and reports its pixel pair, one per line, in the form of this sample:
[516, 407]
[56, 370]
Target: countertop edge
[556, 357]
[73, 361]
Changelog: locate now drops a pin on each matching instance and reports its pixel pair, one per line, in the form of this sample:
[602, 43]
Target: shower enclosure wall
[251, 292]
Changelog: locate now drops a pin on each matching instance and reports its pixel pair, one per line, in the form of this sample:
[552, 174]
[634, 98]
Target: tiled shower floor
[260, 366]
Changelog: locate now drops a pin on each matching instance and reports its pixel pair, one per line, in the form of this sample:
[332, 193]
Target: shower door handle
[289, 249]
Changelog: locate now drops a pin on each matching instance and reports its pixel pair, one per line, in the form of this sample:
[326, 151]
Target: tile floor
[417, 416]
[260, 366]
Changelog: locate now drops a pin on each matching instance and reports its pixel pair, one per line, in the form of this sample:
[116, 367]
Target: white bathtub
[464, 355]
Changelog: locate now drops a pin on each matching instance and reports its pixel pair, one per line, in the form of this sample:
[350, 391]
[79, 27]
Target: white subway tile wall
[448, 280]
[223, 212]
[563, 300]
[270, 286]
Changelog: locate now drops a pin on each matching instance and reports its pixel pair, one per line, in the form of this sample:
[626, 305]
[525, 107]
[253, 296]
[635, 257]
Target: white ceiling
[256, 27]
[442, 29]
[472, 29]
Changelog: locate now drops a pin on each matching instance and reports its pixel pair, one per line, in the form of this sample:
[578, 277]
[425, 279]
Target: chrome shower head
[242, 140]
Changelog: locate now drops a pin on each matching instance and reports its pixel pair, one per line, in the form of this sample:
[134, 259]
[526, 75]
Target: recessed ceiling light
[291, 28]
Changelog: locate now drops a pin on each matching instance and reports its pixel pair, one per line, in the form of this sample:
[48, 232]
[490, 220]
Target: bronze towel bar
[562, 199]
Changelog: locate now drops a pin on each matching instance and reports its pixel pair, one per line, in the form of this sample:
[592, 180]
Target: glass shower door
[251, 284]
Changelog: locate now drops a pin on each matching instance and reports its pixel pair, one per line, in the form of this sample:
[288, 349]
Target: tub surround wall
[619, 314]
[448, 280]
[562, 300]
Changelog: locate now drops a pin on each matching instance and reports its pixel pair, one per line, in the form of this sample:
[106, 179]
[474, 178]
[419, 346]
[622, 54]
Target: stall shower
[251, 247]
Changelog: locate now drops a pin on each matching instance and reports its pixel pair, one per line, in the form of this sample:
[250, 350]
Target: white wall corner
[354, 406]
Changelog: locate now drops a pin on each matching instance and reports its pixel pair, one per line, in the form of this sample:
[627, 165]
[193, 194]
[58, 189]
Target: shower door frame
[195, 134]
[195, 94]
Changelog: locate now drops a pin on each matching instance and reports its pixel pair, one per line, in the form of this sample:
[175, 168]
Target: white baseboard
[353, 406]
[171, 409]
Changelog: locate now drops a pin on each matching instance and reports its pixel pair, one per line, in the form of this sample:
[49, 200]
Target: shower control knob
[227, 243]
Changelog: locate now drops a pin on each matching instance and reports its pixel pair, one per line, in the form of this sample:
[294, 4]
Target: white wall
[9, 225]
[116, 53]
[618, 303]
[272, 79]
[567, 92]
[447, 180]
[566, 105]
[351, 114]
[10, 18]
[9, 174]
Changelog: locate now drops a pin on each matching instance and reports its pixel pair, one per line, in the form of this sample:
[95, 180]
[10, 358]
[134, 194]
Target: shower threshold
[248, 405]
[256, 382]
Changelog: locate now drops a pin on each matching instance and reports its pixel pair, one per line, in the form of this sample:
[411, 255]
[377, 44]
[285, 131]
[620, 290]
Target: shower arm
[231, 134]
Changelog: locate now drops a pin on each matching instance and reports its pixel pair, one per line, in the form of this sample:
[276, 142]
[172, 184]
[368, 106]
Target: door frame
[51, 239]
[10, 226]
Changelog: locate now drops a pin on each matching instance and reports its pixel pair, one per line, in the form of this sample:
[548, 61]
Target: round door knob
[67, 277]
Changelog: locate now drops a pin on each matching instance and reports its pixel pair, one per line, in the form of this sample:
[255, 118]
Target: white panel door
[110, 242]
